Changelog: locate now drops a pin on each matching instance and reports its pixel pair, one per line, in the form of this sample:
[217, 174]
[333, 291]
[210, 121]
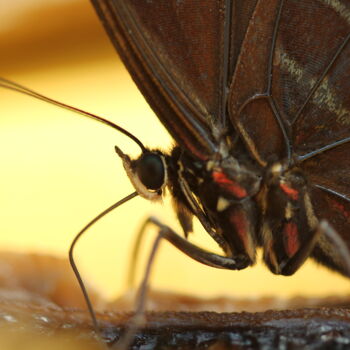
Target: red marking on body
[290, 192]
[228, 184]
[239, 220]
[291, 241]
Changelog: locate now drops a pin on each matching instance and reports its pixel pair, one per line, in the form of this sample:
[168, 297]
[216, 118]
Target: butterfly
[256, 96]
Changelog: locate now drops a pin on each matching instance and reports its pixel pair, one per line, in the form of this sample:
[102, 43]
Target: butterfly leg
[290, 266]
[135, 254]
[342, 256]
[291, 231]
[176, 241]
[191, 250]
[188, 248]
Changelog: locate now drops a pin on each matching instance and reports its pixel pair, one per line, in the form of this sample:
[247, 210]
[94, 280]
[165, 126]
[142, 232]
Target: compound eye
[150, 170]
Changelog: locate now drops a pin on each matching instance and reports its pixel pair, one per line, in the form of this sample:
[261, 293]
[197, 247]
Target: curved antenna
[74, 266]
[8, 84]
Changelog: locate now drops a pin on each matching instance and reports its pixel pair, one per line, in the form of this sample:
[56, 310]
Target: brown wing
[290, 98]
[329, 174]
[334, 208]
[290, 90]
[180, 54]
[321, 122]
[252, 107]
[290, 95]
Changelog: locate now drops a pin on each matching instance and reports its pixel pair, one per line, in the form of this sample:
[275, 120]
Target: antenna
[8, 84]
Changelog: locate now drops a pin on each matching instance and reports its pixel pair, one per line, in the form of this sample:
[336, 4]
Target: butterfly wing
[181, 55]
[290, 98]
[282, 64]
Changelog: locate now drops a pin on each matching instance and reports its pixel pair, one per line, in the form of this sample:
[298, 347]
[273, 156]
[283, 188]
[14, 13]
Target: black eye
[150, 170]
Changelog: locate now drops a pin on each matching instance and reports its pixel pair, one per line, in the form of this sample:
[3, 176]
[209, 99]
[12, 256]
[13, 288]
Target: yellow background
[59, 170]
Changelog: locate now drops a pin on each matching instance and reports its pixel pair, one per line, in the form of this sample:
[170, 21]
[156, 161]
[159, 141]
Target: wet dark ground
[317, 328]
[41, 308]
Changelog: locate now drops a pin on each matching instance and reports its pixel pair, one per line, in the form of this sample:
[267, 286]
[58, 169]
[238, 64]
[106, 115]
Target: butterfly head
[147, 173]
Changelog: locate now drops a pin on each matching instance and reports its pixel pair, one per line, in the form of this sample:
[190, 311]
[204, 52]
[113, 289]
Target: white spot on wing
[324, 94]
[339, 7]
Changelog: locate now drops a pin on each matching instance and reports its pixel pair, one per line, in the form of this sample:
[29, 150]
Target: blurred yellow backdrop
[59, 170]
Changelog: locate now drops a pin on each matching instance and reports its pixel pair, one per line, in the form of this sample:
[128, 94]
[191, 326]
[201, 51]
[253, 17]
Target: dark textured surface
[33, 317]
[316, 329]
[324, 328]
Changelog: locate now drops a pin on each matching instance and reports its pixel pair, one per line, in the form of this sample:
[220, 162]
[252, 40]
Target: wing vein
[323, 149]
[226, 60]
[319, 81]
[335, 193]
